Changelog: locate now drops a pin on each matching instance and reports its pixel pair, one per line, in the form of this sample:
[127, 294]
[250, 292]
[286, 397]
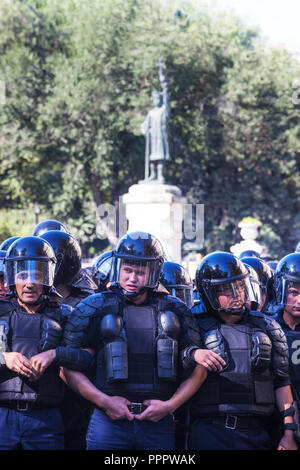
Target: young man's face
[29, 288]
[231, 295]
[292, 301]
[133, 277]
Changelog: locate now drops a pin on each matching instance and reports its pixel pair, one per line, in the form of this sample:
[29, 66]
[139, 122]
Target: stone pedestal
[249, 233]
[157, 209]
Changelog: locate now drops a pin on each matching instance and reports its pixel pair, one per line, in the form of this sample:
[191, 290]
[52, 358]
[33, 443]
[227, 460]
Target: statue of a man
[155, 129]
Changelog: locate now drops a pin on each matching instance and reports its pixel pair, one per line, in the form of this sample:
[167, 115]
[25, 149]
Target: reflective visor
[133, 274]
[103, 271]
[227, 295]
[185, 294]
[291, 294]
[30, 271]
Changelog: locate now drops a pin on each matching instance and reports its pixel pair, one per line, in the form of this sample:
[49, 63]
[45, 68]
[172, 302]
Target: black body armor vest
[245, 386]
[30, 334]
[140, 353]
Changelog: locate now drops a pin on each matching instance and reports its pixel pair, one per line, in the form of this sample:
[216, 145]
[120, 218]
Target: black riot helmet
[177, 281]
[223, 274]
[287, 275]
[6, 243]
[68, 254]
[139, 250]
[48, 225]
[265, 276]
[30, 258]
[249, 254]
[102, 268]
[2, 256]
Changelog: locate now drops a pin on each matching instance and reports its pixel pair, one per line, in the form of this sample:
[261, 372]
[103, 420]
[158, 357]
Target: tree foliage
[79, 75]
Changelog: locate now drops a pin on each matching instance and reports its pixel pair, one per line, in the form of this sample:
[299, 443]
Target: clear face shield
[135, 274]
[30, 272]
[290, 294]
[232, 296]
[256, 290]
[183, 293]
[102, 271]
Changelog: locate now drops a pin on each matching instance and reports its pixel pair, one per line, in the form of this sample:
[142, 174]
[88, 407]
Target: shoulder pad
[207, 322]
[102, 303]
[176, 305]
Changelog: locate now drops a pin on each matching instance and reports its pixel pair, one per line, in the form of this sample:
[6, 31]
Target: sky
[278, 20]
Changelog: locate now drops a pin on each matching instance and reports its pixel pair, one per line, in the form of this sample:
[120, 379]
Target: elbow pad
[75, 359]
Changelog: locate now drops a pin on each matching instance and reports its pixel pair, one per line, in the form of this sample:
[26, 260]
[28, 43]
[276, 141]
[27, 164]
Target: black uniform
[136, 354]
[30, 416]
[232, 408]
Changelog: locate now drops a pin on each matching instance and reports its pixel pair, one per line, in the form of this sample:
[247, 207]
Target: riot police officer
[231, 410]
[101, 270]
[136, 333]
[287, 288]
[31, 333]
[266, 278]
[73, 285]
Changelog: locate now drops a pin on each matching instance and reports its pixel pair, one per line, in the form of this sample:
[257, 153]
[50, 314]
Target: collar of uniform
[17, 305]
[279, 318]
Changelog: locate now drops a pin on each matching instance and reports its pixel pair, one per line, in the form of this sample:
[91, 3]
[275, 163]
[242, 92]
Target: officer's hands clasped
[20, 364]
[117, 408]
[155, 411]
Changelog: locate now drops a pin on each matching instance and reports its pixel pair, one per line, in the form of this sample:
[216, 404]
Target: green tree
[79, 76]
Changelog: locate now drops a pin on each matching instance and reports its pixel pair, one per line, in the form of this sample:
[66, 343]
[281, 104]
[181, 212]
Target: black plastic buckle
[22, 406]
[229, 425]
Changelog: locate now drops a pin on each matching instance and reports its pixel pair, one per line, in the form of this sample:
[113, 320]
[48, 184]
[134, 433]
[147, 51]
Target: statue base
[157, 208]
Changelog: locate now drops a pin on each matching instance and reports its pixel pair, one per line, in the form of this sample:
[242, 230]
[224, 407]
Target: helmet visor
[134, 274]
[230, 296]
[185, 294]
[30, 271]
[102, 271]
[256, 292]
[291, 294]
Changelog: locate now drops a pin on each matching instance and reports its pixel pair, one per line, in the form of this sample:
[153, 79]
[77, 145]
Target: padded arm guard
[167, 345]
[261, 351]
[78, 321]
[75, 359]
[280, 352]
[51, 335]
[115, 349]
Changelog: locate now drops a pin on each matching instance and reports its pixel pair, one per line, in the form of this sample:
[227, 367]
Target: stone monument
[249, 232]
[152, 205]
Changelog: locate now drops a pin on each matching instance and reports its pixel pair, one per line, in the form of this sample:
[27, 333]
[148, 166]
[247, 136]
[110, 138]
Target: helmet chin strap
[234, 311]
[130, 295]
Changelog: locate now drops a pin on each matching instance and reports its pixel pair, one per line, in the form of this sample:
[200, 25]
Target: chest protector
[245, 385]
[140, 354]
[30, 334]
